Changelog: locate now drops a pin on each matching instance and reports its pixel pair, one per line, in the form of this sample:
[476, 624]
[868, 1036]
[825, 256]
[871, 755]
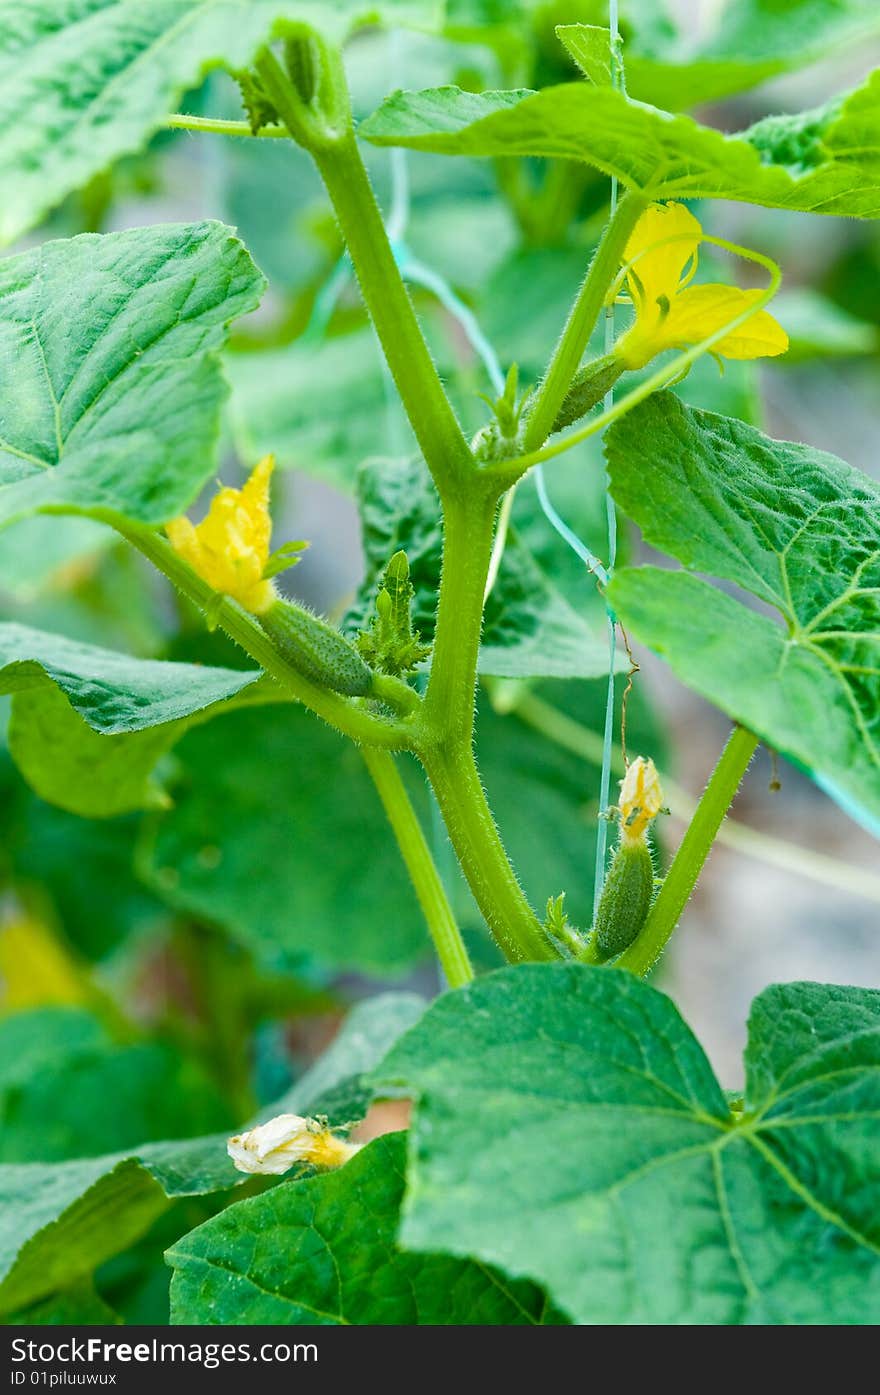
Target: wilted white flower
[276, 1146]
[641, 799]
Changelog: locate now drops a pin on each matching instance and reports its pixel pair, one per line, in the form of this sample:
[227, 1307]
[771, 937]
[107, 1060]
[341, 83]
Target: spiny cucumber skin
[316, 650]
[625, 900]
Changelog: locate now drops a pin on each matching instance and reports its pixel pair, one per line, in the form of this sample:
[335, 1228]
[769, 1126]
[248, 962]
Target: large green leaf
[339, 1262]
[796, 528]
[89, 725]
[569, 1130]
[112, 409]
[530, 629]
[86, 81]
[660, 156]
[112, 692]
[262, 801]
[59, 1221]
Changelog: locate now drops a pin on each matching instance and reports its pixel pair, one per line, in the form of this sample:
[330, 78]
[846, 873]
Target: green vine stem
[214, 126]
[456, 783]
[467, 548]
[352, 720]
[693, 850]
[581, 321]
[339, 163]
[423, 873]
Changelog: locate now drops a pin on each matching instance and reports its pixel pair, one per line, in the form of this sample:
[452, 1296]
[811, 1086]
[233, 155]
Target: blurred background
[186, 963]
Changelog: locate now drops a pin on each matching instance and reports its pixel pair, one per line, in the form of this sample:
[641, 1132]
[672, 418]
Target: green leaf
[590, 47]
[569, 1130]
[659, 156]
[57, 1062]
[530, 629]
[792, 526]
[112, 692]
[113, 407]
[71, 766]
[261, 801]
[89, 81]
[60, 1221]
[89, 725]
[339, 1263]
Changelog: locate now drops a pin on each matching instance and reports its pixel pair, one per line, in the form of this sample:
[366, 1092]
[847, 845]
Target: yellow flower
[670, 314]
[282, 1142]
[230, 547]
[641, 800]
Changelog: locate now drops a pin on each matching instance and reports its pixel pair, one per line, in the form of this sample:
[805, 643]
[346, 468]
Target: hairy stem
[467, 549]
[352, 720]
[580, 323]
[688, 862]
[474, 836]
[425, 878]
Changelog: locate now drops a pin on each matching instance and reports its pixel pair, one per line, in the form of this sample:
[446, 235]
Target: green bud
[259, 108]
[625, 900]
[588, 386]
[390, 644]
[317, 650]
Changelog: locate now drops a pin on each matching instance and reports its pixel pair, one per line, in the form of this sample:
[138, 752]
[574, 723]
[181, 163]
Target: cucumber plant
[301, 795]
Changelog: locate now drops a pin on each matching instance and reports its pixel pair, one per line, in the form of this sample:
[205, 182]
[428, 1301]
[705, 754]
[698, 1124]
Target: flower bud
[629, 886]
[278, 1145]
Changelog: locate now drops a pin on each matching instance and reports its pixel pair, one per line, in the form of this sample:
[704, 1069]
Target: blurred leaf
[319, 407]
[659, 156]
[624, 1184]
[334, 1085]
[339, 1264]
[792, 526]
[38, 550]
[58, 1065]
[113, 407]
[530, 629]
[753, 40]
[77, 1306]
[78, 872]
[96, 78]
[60, 1221]
[277, 835]
[817, 328]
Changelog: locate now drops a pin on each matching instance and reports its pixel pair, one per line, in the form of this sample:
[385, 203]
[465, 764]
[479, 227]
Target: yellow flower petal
[669, 315]
[660, 247]
[701, 310]
[230, 547]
